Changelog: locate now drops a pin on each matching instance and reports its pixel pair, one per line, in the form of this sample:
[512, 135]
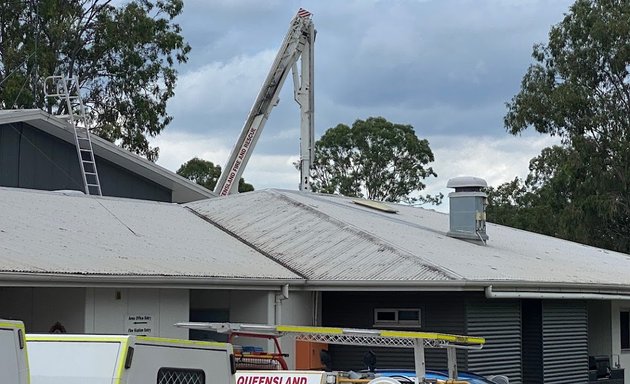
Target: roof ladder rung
[68, 88]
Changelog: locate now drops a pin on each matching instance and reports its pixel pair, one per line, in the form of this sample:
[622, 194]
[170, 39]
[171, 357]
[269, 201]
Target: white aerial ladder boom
[298, 43]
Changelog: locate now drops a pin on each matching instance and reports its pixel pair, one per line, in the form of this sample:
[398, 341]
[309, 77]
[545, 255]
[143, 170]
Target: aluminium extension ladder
[67, 89]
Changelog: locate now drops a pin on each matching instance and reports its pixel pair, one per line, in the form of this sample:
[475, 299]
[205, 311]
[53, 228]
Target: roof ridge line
[242, 240]
[370, 236]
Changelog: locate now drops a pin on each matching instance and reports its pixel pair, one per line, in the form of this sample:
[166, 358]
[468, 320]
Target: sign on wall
[140, 325]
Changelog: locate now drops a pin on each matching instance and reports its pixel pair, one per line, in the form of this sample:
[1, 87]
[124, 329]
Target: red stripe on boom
[303, 12]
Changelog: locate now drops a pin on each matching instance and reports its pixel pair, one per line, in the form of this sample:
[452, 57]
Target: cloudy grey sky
[446, 67]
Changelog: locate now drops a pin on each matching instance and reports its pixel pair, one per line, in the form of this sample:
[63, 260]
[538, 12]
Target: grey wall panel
[600, 335]
[499, 321]
[36, 160]
[9, 149]
[565, 342]
[440, 313]
[30, 158]
[117, 181]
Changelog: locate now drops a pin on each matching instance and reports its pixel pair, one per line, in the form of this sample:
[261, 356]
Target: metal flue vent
[467, 207]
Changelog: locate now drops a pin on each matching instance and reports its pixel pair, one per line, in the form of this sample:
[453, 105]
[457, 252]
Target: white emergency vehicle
[128, 359]
[13, 355]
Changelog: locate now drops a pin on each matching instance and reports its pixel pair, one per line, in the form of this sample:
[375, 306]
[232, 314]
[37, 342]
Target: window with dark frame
[624, 329]
[385, 316]
[397, 317]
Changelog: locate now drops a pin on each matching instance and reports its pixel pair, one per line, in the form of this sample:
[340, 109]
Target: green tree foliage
[579, 89]
[123, 53]
[374, 158]
[206, 174]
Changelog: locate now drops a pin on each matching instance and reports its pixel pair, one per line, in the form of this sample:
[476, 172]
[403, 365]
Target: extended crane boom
[297, 43]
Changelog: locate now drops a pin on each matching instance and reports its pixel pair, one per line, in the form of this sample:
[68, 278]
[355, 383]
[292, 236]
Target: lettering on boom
[239, 160]
[242, 153]
[228, 183]
[246, 143]
[249, 138]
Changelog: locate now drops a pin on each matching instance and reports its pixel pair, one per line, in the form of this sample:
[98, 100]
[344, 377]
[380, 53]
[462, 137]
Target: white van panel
[73, 362]
[179, 365]
[9, 360]
[94, 359]
[13, 356]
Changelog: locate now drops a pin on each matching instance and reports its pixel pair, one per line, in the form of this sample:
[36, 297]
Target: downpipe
[280, 297]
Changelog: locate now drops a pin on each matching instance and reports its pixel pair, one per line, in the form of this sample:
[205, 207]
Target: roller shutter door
[565, 342]
[500, 323]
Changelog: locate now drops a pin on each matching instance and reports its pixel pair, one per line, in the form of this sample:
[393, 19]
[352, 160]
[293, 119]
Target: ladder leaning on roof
[66, 89]
[360, 337]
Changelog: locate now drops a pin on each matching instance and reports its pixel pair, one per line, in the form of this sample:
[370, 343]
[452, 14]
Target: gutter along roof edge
[469, 285]
[9, 279]
[25, 279]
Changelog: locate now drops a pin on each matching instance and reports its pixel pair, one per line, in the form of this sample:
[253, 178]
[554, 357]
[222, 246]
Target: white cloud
[177, 148]
[220, 90]
[263, 170]
[272, 171]
[292, 133]
[445, 67]
[497, 160]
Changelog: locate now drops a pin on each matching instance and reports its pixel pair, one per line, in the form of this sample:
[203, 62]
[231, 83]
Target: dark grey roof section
[183, 189]
[316, 245]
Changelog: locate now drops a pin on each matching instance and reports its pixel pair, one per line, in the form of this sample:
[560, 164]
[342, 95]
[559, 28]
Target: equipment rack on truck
[352, 336]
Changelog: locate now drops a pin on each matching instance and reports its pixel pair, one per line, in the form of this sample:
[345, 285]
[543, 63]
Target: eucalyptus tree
[374, 158]
[578, 88]
[124, 54]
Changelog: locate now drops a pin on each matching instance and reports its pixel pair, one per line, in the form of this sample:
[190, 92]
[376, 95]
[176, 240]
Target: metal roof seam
[244, 241]
[275, 242]
[373, 238]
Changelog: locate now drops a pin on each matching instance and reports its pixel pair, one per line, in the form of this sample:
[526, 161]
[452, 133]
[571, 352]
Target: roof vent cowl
[467, 207]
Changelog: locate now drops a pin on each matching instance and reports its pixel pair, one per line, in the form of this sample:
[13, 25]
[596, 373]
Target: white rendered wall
[40, 308]
[296, 310]
[252, 307]
[259, 307]
[108, 310]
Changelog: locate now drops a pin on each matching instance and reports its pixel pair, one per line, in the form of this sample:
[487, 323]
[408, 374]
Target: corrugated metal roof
[317, 245]
[327, 237]
[183, 189]
[56, 233]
